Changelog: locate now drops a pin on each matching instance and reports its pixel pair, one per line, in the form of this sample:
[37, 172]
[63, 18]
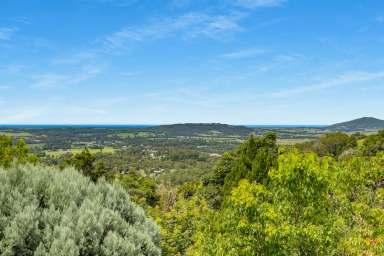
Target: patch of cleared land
[57, 153]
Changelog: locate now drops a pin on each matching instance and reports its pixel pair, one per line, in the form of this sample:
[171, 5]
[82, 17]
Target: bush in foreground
[47, 212]
[310, 206]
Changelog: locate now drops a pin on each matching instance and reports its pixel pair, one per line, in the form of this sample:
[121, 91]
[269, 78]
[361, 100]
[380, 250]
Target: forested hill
[190, 129]
[361, 124]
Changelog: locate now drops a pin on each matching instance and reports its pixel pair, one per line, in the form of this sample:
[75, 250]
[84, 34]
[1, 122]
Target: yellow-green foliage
[58, 153]
[178, 215]
[310, 206]
[10, 151]
[374, 144]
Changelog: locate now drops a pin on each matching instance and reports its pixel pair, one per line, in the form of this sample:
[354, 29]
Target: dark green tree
[84, 162]
[141, 188]
[252, 161]
[374, 144]
[330, 144]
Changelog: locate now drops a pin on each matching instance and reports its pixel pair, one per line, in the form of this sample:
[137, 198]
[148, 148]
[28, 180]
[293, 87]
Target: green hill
[191, 129]
[361, 124]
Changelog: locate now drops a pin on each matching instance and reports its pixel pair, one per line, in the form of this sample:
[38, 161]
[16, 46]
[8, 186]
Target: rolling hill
[360, 124]
[191, 129]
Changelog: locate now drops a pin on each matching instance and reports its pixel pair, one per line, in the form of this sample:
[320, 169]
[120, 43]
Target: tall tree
[252, 161]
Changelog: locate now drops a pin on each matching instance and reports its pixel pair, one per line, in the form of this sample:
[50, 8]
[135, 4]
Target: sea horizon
[141, 126]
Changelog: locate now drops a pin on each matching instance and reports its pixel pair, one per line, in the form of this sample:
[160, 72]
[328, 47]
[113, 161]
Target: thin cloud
[22, 20]
[5, 87]
[121, 3]
[12, 69]
[85, 110]
[129, 74]
[349, 78]
[258, 3]
[244, 53]
[279, 61]
[51, 80]
[77, 58]
[191, 25]
[28, 114]
[217, 27]
[6, 33]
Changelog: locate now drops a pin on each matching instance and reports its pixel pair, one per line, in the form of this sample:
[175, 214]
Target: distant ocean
[52, 126]
[131, 126]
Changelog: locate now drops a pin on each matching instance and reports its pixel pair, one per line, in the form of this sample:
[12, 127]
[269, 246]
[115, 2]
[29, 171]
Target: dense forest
[324, 196]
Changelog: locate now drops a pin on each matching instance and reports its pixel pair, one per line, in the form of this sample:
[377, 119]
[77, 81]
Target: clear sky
[171, 61]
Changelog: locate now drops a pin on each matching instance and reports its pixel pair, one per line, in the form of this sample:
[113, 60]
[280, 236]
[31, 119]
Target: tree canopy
[310, 206]
[14, 151]
[252, 160]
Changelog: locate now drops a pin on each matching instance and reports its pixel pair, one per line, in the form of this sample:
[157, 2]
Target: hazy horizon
[150, 125]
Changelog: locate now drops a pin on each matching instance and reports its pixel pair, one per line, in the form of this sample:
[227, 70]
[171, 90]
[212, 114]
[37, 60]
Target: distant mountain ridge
[360, 124]
[188, 129]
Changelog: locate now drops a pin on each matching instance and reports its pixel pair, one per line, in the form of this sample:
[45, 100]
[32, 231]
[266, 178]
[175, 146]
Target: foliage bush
[178, 215]
[141, 188]
[85, 162]
[251, 160]
[44, 211]
[330, 144]
[10, 151]
[310, 206]
[374, 144]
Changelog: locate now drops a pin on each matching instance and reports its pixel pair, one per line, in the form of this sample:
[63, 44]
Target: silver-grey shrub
[44, 211]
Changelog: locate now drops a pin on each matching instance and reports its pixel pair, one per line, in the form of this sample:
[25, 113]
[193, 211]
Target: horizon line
[159, 124]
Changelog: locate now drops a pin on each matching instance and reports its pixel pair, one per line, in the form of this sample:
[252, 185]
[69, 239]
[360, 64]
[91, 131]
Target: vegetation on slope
[360, 124]
[305, 204]
[324, 197]
[251, 160]
[11, 151]
[310, 206]
[193, 129]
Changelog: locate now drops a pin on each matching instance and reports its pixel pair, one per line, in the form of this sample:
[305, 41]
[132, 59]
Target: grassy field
[58, 153]
[288, 142]
[16, 134]
[125, 135]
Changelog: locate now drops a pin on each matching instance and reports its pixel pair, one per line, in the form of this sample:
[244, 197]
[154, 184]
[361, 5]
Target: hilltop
[190, 129]
[360, 124]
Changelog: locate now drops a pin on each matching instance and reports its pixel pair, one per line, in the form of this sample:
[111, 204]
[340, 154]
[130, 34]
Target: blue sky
[171, 61]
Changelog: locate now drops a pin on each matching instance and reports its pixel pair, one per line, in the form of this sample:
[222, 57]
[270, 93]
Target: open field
[290, 142]
[15, 134]
[57, 153]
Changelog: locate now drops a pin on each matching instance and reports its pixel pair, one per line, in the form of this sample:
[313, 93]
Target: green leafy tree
[252, 160]
[310, 206]
[17, 152]
[86, 163]
[373, 144]
[178, 214]
[141, 188]
[330, 144]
